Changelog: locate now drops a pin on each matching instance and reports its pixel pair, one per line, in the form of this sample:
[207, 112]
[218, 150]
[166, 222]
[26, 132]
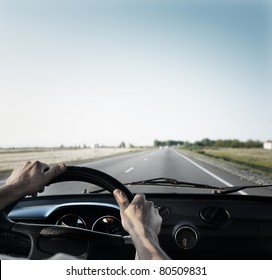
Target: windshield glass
[139, 90]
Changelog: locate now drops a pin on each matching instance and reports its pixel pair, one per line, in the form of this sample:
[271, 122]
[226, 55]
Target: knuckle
[37, 163]
[140, 196]
[150, 204]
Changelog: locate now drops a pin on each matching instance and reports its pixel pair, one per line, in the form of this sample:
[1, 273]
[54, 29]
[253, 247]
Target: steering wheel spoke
[47, 240]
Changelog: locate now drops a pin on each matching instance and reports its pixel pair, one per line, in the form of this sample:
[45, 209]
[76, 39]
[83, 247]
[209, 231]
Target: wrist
[138, 229]
[144, 235]
[147, 246]
[15, 190]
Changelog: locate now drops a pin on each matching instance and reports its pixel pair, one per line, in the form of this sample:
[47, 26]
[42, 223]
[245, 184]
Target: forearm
[147, 246]
[10, 193]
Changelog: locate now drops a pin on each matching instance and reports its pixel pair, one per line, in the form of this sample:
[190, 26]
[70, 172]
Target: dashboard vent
[164, 213]
[215, 215]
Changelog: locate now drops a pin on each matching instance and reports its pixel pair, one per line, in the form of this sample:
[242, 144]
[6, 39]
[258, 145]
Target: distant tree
[158, 143]
[234, 143]
[169, 143]
[122, 145]
[253, 144]
[206, 142]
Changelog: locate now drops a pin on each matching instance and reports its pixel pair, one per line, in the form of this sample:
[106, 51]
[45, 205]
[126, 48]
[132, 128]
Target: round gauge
[109, 224]
[186, 237]
[71, 220]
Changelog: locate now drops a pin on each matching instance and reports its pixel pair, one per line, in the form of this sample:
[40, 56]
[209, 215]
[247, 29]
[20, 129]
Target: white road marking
[130, 169]
[210, 173]
[145, 159]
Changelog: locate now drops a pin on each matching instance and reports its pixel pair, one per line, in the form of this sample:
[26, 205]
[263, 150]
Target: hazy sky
[84, 72]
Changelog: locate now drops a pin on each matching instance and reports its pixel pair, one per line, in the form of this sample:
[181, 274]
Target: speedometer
[71, 220]
[108, 224]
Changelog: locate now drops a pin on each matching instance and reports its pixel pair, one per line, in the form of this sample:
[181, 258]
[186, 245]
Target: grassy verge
[256, 158]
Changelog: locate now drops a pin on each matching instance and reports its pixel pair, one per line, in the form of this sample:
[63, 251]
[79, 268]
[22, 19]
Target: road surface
[166, 162]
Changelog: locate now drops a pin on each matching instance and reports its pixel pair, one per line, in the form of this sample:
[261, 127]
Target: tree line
[206, 142]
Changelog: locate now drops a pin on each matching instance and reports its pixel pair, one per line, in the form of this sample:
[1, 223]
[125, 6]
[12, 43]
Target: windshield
[140, 90]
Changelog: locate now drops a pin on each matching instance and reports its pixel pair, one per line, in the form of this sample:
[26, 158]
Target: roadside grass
[256, 158]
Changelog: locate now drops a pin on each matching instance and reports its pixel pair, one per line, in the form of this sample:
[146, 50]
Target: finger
[38, 167]
[54, 171]
[139, 199]
[157, 209]
[25, 164]
[36, 164]
[45, 167]
[121, 199]
[41, 190]
[140, 195]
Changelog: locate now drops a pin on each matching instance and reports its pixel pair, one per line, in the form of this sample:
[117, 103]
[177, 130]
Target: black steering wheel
[74, 241]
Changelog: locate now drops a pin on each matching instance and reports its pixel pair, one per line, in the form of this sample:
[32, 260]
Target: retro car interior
[218, 223]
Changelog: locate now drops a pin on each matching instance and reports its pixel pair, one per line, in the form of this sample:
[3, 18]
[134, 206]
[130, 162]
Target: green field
[254, 157]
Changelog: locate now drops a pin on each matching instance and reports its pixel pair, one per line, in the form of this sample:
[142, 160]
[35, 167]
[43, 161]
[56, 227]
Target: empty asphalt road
[165, 162]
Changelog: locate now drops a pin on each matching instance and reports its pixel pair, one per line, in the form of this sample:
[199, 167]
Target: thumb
[121, 199]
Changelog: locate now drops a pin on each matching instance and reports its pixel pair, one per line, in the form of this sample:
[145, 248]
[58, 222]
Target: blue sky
[86, 72]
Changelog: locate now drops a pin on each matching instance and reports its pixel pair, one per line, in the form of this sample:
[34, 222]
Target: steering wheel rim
[37, 232]
[92, 176]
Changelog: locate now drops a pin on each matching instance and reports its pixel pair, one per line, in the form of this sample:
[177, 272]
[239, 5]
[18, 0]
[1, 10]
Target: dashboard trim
[44, 211]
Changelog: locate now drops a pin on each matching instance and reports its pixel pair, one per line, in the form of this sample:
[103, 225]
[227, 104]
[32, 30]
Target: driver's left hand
[31, 177]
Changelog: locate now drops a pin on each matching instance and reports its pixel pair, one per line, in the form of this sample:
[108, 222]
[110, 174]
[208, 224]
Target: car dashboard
[195, 226]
